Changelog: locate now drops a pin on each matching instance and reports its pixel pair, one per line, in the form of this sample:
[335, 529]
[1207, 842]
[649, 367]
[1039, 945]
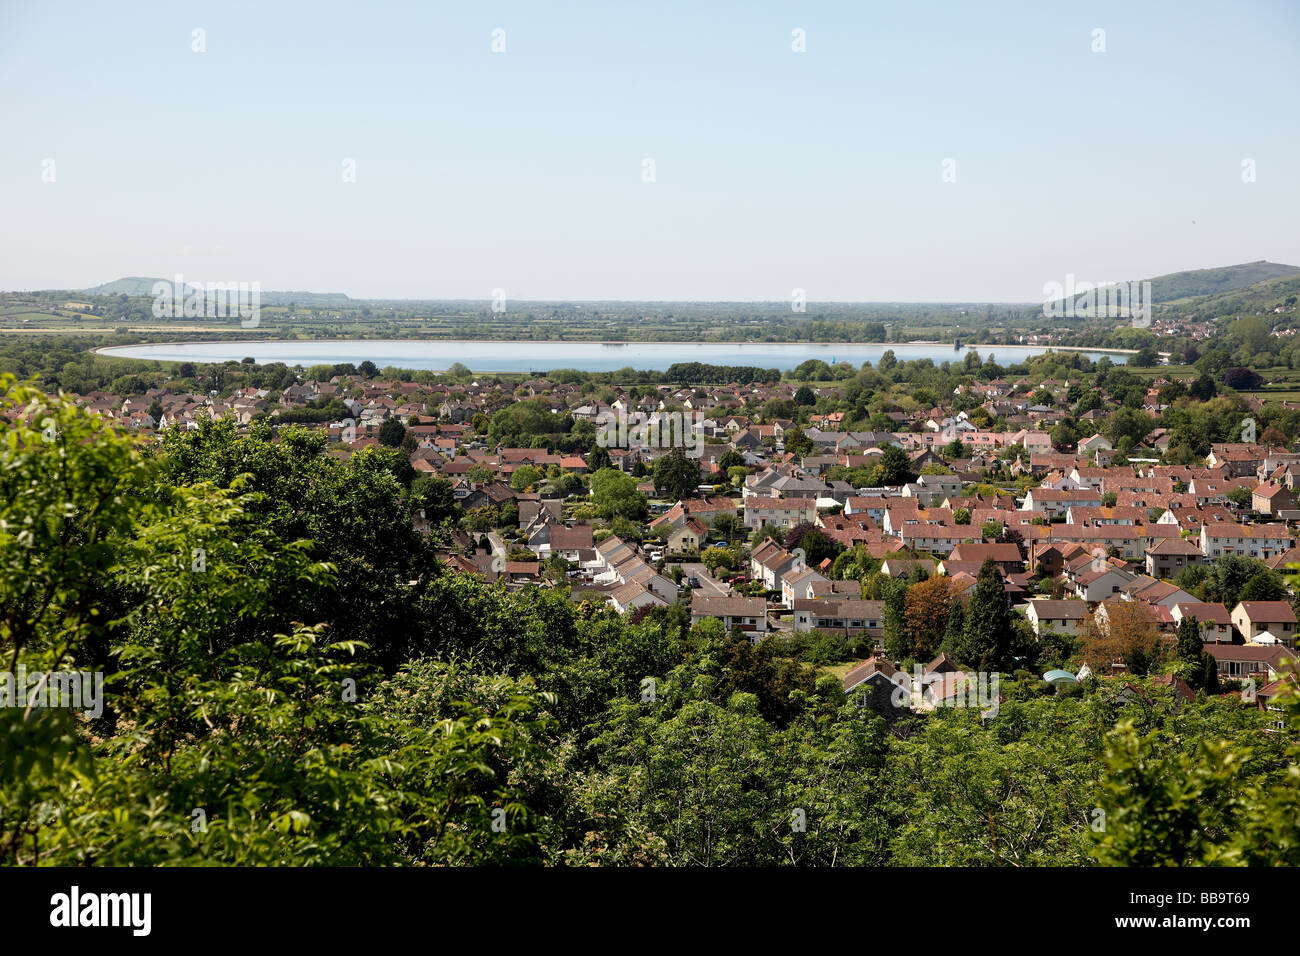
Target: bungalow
[1061, 617]
[1262, 662]
[747, 614]
[631, 596]
[840, 614]
[902, 567]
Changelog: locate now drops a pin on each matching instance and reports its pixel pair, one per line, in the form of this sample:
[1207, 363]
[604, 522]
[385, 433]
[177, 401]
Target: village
[1075, 536]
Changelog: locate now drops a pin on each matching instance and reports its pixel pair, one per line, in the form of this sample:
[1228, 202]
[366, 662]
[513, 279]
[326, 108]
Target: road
[709, 585]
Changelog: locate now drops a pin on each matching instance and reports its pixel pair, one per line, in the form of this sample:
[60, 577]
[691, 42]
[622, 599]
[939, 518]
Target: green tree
[894, 468]
[796, 442]
[676, 475]
[1264, 585]
[392, 432]
[616, 495]
[525, 477]
[989, 638]
[897, 641]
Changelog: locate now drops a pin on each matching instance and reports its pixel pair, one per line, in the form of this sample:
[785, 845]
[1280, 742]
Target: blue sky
[522, 170]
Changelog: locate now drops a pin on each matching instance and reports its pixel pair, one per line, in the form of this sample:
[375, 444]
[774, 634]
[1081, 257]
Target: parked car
[693, 582]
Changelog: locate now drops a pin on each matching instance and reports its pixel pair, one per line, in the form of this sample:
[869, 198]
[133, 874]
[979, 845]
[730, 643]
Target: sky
[910, 152]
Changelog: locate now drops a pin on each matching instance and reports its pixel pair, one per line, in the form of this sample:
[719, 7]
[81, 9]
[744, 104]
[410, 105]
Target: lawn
[839, 670]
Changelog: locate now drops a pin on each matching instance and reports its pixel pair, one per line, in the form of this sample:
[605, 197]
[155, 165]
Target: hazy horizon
[131, 153]
[608, 301]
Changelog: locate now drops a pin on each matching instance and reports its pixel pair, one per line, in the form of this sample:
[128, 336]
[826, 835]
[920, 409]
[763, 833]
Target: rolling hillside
[142, 286]
[1202, 282]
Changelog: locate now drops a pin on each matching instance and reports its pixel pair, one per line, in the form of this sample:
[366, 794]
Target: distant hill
[1250, 287]
[1261, 297]
[131, 285]
[1200, 282]
[142, 286]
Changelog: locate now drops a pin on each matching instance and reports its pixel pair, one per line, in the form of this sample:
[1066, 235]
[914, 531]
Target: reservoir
[488, 355]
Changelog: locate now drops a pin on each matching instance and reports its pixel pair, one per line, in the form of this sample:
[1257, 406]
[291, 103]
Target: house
[520, 572]
[1006, 556]
[799, 583]
[873, 507]
[839, 614]
[1168, 556]
[1213, 620]
[944, 688]
[1049, 558]
[745, 613]
[551, 540]
[1157, 593]
[1098, 583]
[938, 538]
[1236, 459]
[611, 552]
[632, 595]
[1270, 497]
[1256, 619]
[780, 512]
[1157, 616]
[877, 685]
[770, 563]
[1053, 503]
[1093, 443]
[1262, 662]
[689, 537]
[903, 567]
[1256, 540]
[1285, 562]
[1060, 617]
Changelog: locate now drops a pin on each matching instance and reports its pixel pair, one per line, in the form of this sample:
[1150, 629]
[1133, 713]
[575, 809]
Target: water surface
[501, 356]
